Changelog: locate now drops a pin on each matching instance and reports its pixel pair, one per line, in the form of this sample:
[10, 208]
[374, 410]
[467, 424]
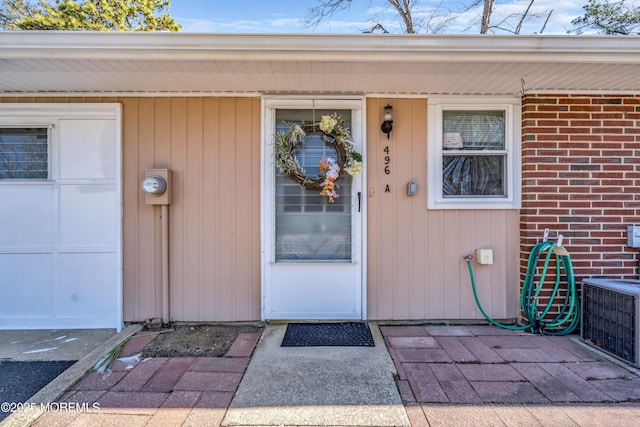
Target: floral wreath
[332, 132]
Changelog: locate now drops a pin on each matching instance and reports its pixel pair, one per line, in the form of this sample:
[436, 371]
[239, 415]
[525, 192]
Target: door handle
[359, 200]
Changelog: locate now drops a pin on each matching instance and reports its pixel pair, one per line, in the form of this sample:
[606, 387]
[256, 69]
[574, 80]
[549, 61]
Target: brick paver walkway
[169, 391]
[484, 369]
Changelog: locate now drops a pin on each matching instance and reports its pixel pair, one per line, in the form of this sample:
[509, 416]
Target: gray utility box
[633, 235]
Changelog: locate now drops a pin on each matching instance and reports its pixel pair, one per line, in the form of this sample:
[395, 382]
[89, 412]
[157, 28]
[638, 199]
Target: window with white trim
[24, 153]
[474, 153]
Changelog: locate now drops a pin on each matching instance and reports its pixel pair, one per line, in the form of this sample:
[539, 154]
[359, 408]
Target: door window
[308, 226]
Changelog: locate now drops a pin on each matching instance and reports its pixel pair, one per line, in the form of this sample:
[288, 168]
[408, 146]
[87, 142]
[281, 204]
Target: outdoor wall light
[387, 124]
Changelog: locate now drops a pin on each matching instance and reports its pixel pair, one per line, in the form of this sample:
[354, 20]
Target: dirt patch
[196, 340]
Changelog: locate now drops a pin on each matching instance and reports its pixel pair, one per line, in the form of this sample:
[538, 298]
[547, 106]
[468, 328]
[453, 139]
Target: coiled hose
[567, 318]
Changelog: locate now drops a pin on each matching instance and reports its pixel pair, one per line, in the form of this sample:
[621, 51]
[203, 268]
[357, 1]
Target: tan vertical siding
[210, 203]
[146, 260]
[415, 269]
[133, 200]
[215, 216]
[212, 146]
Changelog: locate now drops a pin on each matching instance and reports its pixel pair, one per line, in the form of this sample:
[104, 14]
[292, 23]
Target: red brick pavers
[486, 375]
[173, 391]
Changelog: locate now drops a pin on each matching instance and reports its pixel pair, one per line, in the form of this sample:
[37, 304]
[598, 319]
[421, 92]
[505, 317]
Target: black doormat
[348, 334]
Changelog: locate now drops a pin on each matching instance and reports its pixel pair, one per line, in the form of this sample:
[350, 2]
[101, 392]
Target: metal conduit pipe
[166, 313]
[157, 188]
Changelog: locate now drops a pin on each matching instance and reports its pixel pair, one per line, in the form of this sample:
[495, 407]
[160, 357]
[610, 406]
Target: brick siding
[581, 178]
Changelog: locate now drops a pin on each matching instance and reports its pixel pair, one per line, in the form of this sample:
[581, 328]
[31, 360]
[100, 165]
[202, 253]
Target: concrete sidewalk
[51, 344]
[317, 386]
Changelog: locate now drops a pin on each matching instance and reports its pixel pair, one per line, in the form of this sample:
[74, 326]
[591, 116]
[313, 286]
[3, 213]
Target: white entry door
[313, 247]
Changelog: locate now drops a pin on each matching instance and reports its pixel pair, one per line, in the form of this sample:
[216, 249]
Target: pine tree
[89, 15]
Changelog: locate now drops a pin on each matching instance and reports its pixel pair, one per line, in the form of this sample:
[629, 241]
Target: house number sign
[387, 166]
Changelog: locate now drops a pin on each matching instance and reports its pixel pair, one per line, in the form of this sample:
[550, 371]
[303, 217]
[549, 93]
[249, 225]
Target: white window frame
[512, 110]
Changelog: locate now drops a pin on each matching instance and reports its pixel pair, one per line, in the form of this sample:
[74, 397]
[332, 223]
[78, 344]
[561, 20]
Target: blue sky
[286, 16]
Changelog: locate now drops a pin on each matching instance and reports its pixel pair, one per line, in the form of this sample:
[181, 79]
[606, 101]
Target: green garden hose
[567, 318]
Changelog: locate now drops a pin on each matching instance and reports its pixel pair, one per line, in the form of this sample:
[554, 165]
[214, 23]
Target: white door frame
[358, 132]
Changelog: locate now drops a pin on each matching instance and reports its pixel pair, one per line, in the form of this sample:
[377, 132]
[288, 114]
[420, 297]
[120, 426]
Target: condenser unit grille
[610, 321]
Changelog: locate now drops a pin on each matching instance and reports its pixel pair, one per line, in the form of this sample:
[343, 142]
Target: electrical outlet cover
[484, 256]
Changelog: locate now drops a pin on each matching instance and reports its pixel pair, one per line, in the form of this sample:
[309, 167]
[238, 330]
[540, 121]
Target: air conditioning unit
[611, 317]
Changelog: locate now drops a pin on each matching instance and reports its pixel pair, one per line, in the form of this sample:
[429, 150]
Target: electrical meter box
[633, 235]
[157, 186]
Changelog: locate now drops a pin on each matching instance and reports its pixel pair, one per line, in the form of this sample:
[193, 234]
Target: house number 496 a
[387, 167]
[387, 161]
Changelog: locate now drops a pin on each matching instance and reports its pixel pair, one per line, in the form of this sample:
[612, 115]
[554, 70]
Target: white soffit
[107, 62]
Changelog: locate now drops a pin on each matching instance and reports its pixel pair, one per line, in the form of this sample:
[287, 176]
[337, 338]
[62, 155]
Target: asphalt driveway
[21, 380]
[31, 359]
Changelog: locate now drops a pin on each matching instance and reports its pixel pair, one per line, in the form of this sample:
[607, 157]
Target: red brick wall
[581, 178]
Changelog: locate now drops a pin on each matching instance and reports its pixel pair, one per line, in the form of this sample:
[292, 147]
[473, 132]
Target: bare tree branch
[545, 21]
[378, 26]
[472, 5]
[404, 10]
[436, 22]
[503, 25]
[325, 9]
[433, 18]
[486, 16]
[524, 15]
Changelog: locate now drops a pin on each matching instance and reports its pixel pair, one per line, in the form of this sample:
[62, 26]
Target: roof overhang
[51, 63]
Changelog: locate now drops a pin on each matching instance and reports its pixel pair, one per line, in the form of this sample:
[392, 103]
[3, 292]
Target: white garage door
[60, 216]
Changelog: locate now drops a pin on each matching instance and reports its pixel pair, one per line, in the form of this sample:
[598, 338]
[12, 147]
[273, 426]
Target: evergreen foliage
[88, 15]
[609, 18]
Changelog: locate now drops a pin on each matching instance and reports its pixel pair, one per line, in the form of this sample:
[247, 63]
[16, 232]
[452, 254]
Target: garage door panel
[84, 285]
[89, 215]
[87, 149]
[25, 285]
[26, 216]
[61, 234]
